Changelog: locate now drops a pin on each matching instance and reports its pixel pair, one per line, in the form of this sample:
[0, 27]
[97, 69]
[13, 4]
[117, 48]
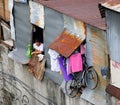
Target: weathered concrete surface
[25, 89]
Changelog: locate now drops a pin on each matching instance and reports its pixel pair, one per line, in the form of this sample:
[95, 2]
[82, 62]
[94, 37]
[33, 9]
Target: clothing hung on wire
[82, 49]
[63, 69]
[74, 63]
[53, 60]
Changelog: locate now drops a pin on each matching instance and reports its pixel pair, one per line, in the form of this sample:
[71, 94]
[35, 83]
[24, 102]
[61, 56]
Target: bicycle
[89, 78]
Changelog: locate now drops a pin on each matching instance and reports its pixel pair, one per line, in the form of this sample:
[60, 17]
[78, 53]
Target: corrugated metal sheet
[54, 24]
[96, 51]
[36, 14]
[98, 47]
[66, 43]
[112, 4]
[84, 10]
[113, 35]
[75, 26]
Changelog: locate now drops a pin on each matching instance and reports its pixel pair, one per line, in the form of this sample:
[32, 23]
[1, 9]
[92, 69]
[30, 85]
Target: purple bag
[63, 68]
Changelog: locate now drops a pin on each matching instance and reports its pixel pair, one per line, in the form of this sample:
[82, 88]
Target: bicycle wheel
[71, 88]
[91, 78]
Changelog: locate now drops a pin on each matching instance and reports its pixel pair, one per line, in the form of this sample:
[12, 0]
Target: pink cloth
[75, 63]
[82, 49]
[69, 71]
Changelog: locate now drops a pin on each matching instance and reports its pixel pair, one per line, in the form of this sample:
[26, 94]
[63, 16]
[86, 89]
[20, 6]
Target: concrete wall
[24, 89]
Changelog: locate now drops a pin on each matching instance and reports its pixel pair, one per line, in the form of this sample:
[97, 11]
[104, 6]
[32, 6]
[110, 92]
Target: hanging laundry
[53, 60]
[75, 63]
[82, 49]
[63, 68]
[68, 66]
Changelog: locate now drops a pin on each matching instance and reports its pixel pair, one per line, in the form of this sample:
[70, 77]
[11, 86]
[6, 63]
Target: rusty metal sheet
[66, 43]
[99, 55]
[84, 10]
[36, 14]
[98, 47]
[112, 4]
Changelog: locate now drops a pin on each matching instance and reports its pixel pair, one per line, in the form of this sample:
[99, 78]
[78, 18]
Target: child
[38, 46]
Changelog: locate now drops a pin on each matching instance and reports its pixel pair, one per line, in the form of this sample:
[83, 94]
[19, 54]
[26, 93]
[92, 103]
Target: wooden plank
[6, 10]
[1, 8]
[9, 44]
[114, 91]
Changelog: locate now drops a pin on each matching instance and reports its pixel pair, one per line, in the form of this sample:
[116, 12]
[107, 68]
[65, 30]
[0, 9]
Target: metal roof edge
[99, 27]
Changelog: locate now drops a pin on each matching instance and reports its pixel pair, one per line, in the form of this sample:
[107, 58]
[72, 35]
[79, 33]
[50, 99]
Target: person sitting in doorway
[38, 49]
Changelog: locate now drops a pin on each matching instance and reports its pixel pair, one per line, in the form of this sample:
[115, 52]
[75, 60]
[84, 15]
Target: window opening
[37, 61]
[37, 34]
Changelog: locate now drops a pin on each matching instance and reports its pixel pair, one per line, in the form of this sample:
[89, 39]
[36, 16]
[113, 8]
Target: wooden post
[114, 91]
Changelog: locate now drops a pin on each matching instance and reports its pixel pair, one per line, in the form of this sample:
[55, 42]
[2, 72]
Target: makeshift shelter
[50, 19]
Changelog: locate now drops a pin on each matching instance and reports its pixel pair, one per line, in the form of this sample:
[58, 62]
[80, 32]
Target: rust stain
[98, 52]
[81, 27]
[37, 23]
[65, 43]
